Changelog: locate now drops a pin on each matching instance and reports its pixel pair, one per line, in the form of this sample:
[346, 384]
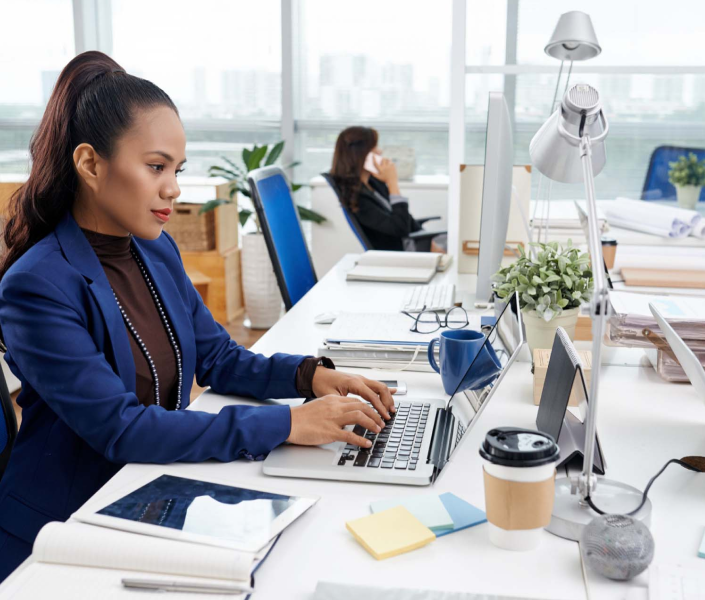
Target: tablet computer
[193, 510]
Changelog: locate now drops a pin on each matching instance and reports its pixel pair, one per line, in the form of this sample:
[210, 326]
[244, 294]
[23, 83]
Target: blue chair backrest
[656, 184]
[8, 427]
[279, 219]
[349, 216]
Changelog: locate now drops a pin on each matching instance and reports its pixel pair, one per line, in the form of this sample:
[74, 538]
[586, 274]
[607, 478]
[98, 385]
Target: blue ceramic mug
[458, 349]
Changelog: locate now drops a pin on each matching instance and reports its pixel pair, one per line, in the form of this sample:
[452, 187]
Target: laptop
[423, 435]
[690, 363]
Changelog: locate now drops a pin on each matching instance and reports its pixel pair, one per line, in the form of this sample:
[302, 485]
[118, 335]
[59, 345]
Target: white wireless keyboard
[433, 297]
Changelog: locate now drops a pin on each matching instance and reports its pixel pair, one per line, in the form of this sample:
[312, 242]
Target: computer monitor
[496, 193]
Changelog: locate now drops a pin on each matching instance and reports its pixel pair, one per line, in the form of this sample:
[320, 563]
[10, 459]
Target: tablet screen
[204, 508]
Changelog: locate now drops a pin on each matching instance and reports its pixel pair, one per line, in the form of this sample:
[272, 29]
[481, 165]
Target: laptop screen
[483, 374]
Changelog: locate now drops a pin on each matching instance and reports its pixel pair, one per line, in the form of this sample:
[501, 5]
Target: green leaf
[244, 216]
[523, 279]
[274, 153]
[296, 163]
[307, 214]
[256, 157]
[531, 291]
[536, 280]
[235, 167]
[295, 187]
[562, 302]
[216, 171]
[212, 204]
[246, 153]
[568, 282]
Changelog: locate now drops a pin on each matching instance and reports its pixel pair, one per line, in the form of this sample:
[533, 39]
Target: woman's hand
[323, 421]
[329, 381]
[388, 173]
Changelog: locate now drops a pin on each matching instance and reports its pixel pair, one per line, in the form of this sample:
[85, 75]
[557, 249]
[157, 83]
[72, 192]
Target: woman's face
[136, 189]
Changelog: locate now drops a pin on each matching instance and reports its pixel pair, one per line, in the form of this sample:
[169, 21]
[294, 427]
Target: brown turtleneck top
[129, 286]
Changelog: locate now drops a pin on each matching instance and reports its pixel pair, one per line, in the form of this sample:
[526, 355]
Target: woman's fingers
[358, 417]
[361, 388]
[350, 438]
[367, 409]
[383, 392]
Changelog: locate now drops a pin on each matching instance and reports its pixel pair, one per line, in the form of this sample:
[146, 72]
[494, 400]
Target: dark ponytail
[94, 101]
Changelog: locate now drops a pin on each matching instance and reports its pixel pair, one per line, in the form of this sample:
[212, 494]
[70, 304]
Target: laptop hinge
[440, 442]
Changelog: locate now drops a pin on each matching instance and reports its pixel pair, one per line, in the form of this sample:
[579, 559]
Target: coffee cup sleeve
[517, 505]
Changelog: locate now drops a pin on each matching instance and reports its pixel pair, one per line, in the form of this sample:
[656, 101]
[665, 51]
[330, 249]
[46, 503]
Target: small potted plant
[263, 301]
[688, 177]
[551, 287]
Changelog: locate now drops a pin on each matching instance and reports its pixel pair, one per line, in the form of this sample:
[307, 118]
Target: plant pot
[263, 300]
[540, 334]
[688, 195]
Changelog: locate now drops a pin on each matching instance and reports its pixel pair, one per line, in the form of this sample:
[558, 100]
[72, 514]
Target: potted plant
[263, 301]
[688, 177]
[551, 287]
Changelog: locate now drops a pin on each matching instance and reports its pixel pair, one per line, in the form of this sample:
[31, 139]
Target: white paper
[62, 582]
[92, 546]
[666, 221]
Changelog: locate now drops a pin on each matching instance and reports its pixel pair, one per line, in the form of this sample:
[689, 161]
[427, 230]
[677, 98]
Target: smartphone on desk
[399, 385]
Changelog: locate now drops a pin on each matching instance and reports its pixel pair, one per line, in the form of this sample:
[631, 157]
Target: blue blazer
[81, 419]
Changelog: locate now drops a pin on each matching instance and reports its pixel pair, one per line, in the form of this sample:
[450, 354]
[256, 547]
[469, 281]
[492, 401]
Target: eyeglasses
[429, 321]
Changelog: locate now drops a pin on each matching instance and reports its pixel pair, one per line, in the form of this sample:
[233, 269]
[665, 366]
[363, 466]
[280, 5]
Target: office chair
[422, 239]
[8, 427]
[279, 220]
[656, 184]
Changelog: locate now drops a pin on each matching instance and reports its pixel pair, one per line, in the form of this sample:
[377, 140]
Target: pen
[165, 585]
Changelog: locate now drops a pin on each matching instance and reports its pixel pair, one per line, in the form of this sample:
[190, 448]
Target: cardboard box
[225, 300]
[541, 360]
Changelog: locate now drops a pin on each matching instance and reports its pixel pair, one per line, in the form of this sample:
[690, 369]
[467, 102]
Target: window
[389, 71]
[32, 53]
[651, 83]
[219, 61]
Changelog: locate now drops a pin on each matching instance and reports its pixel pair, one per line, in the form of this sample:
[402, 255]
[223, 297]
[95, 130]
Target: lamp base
[570, 516]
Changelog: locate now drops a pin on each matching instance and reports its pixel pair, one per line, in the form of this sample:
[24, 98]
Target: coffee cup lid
[515, 447]
[608, 241]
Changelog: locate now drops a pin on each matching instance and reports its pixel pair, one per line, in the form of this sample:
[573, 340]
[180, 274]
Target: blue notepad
[464, 514]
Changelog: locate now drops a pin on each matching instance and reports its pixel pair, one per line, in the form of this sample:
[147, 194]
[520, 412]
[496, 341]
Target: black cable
[678, 461]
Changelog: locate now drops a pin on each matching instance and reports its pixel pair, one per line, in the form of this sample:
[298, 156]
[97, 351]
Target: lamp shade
[573, 38]
[555, 149]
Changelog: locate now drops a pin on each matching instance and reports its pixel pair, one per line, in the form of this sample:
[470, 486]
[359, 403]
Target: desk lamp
[573, 39]
[570, 148]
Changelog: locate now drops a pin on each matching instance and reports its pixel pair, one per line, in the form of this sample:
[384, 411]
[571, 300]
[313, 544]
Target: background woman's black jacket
[385, 219]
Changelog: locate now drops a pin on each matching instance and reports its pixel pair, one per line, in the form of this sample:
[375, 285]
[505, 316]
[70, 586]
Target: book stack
[380, 340]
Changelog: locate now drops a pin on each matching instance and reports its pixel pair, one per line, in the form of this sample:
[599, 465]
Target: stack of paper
[399, 267]
[380, 340]
[632, 315]
[664, 221]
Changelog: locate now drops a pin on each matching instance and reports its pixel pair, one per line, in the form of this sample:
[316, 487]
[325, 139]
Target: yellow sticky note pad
[390, 532]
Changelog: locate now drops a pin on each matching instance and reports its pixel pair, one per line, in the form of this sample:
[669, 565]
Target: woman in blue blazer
[104, 163]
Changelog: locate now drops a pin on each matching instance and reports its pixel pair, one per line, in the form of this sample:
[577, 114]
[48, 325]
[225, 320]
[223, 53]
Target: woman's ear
[86, 160]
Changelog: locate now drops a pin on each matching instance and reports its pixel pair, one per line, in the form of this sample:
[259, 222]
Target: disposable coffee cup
[519, 469]
[609, 251]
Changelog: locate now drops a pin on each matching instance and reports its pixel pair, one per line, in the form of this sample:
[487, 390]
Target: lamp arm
[599, 306]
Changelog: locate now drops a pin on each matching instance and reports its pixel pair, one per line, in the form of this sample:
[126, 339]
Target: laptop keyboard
[397, 446]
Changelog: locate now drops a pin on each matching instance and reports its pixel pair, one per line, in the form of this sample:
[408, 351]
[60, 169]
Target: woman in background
[375, 200]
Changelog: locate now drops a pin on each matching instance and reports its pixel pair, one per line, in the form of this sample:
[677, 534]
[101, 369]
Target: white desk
[643, 421]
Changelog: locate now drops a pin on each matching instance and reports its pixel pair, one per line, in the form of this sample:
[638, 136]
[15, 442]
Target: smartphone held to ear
[371, 162]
